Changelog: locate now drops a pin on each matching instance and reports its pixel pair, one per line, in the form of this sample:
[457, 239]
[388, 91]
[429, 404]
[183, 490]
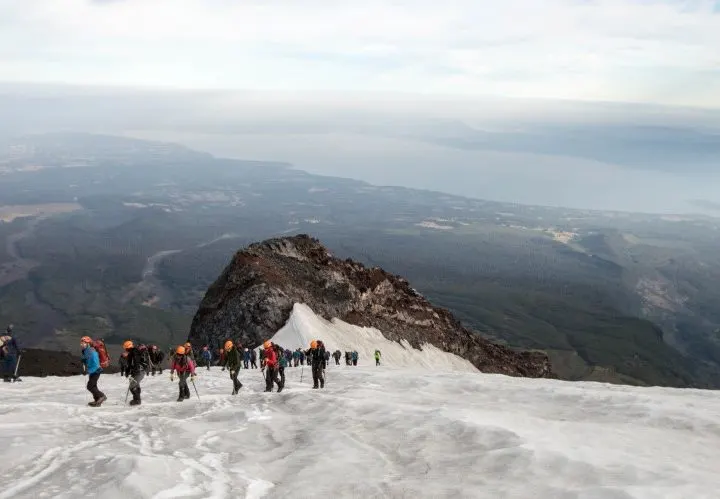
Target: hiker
[232, 362]
[247, 356]
[156, 357]
[317, 359]
[9, 352]
[336, 355]
[348, 359]
[145, 353]
[91, 368]
[136, 369]
[184, 366]
[253, 359]
[377, 357]
[288, 357]
[122, 361]
[271, 367]
[354, 358]
[207, 356]
[302, 356]
[283, 362]
[189, 351]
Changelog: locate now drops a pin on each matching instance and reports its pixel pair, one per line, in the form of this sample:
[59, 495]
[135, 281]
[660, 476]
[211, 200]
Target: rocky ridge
[254, 296]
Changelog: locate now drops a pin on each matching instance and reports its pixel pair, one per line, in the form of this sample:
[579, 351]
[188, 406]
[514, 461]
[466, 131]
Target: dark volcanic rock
[255, 294]
[36, 362]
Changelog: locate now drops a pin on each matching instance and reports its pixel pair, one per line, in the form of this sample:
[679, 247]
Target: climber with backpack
[136, 369]
[232, 363]
[9, 355]
[318, 363]
[92, 368]
[185, 367]
[271, 367]
[377, 357]
[207, 356]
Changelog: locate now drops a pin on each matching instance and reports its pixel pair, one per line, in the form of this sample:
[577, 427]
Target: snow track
[373, 432]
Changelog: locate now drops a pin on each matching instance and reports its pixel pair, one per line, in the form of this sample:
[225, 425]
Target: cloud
[611, 50]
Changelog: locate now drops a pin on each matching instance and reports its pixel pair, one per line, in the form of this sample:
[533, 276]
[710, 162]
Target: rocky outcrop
[38, 362]
[255, 294]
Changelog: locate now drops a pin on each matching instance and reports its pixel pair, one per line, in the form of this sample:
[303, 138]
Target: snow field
[373, 432]
[424, 424]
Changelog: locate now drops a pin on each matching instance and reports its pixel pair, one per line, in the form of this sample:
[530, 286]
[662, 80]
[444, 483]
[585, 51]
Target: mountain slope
[372, 432]
[255, 294]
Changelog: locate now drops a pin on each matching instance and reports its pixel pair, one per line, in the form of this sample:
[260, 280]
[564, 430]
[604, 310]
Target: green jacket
[232, 359]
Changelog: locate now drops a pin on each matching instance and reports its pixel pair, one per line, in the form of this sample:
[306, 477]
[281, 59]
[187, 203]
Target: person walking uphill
[377, 357]
[136, 369]
[91, 368]
[232, 363]
[318, 362]
[9, 352]
[271, 365]
[184, 366]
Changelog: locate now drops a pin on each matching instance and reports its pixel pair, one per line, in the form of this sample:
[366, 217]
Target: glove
[172, 377]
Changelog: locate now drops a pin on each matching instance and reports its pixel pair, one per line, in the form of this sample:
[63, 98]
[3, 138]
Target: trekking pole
[17, 366]
[128, 390]
[196, 392]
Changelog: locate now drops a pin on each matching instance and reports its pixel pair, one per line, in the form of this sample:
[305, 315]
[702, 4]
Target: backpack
[99, 346]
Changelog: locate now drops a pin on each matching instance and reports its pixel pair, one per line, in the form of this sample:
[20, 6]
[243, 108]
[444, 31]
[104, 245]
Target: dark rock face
[37, 362]
[254, 296]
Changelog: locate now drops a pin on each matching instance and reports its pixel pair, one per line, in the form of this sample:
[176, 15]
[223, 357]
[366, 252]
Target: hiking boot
[135, 402]
[100, 401]
[93, 403]
[180, 398]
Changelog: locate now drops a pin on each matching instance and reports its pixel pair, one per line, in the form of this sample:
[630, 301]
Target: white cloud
[664, 52]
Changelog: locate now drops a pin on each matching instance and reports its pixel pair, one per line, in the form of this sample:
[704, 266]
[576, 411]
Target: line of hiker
[138, 361]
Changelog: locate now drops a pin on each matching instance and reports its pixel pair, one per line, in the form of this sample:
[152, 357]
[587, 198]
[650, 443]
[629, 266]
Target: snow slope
[303, 326]
[373, 432]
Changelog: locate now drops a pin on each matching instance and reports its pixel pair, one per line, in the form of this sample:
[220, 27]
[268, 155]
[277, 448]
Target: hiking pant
[156, 368]
[281, 371]
[253, 363]
[234, 377]
[354, 362]
[92, 386]
[208, 364]
[182, 383]
[135, 385]
[317, 372]
[246, 363]
[271, 375]
[337, 361]
[8, 366]
[377, 362]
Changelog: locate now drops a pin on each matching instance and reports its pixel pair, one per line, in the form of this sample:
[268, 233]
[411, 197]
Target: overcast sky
[663, 52]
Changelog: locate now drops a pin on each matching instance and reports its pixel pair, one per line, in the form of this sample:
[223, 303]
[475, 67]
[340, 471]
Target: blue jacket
[91, 359]
[247, 356]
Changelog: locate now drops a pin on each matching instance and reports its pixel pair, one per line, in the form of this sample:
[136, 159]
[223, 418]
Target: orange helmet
[313, 344]
[267, 344]
[228, 345]
[128, 345]
[180, 350]
[86, 339]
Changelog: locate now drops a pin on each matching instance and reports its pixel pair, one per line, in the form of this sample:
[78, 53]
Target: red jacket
[271, 357]
[189, 365]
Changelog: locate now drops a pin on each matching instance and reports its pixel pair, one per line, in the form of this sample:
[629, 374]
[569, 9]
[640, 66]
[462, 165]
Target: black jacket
[317, 357]
[156, 356]
[136, 362]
